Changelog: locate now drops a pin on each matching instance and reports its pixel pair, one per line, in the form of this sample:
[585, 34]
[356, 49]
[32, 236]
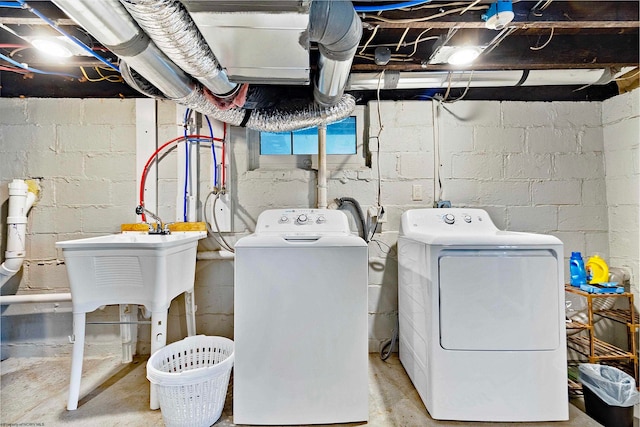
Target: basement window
[299, 149]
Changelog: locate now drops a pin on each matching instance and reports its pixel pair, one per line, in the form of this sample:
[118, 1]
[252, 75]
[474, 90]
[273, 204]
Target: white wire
[545, 44]
[373, 34]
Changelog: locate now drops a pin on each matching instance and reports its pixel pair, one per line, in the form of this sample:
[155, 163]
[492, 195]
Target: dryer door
[499, 300]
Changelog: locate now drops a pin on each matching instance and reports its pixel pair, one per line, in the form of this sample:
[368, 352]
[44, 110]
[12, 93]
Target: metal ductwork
[170, 27]
[110, 23]
[335, 26]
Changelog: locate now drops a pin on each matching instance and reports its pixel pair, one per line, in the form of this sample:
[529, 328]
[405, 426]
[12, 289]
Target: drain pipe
[22, 195]
[322, 167]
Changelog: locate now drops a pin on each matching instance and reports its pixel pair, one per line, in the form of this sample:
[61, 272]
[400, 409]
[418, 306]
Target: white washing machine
[300, 321]
[481, 311]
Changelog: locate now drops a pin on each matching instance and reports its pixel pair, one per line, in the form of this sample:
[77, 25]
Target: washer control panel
[302, 221]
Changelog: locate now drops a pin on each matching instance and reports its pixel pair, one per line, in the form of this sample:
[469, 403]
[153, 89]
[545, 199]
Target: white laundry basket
[191, 377]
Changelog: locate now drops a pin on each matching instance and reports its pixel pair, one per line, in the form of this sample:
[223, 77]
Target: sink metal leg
[79, 320]
[158, 340]
[190, 310]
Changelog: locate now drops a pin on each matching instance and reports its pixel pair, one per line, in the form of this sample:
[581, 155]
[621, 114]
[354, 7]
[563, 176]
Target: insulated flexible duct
[110, 23]
[171, 28]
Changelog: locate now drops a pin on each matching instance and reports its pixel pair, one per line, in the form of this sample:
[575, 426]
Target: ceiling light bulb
[463, 56]
[51, 47]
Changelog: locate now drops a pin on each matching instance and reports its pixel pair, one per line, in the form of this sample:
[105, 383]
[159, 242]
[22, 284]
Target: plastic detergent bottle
[597, 270]
[577, 270]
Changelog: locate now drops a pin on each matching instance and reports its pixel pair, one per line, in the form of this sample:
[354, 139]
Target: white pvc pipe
[34, 298]
[457, 79]
[322, 167]
[20, 201]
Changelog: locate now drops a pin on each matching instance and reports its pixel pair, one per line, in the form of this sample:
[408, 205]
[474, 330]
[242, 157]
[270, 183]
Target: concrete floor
[34, 392]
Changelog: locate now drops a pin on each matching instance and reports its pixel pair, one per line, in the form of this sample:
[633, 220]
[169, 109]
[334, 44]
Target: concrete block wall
[534, 166]
[83, 151]
[621, 128]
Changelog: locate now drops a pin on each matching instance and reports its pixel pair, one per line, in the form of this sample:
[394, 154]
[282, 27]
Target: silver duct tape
[171, 28]
[273, 120]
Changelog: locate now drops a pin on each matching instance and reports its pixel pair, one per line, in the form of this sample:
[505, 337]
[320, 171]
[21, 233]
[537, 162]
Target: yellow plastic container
[597, 269]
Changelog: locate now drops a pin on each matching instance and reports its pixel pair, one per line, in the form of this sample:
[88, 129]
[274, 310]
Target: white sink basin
[131, 268]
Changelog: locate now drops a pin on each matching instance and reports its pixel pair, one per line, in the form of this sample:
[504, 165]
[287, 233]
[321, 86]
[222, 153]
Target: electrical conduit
[22, 195]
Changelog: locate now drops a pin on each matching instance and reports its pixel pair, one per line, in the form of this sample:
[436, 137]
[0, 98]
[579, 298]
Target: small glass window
[341, 139]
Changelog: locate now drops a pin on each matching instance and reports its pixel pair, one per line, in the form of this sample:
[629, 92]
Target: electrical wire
[373, 34]
[545, 44]
[114, 78]
[424, 18]
[67, 35]
[14, 70]
[383, 8]
[35, 70]
[404, 34]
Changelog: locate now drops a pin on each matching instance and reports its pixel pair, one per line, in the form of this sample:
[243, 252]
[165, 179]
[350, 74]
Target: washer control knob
[283, 219]
[302, 219]
[321, 220]
[467, 218]
[449, 218]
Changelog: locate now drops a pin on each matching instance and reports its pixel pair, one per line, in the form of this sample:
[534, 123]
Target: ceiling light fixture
[455, 55]
[52, 47]
[463, 55]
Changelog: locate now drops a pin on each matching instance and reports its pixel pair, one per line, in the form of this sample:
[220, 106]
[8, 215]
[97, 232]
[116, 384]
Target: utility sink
[129, 268]
[136, 268]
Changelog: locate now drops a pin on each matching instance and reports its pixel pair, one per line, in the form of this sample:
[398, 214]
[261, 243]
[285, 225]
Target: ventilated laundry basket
[191, 377]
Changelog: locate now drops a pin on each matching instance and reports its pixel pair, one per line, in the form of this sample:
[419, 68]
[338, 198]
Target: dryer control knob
[321, 220]
[302, 219]
[467, 218]
[449, 218]
[284, 219]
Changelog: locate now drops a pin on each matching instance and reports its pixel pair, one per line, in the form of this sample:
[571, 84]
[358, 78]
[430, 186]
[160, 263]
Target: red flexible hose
[145, 170]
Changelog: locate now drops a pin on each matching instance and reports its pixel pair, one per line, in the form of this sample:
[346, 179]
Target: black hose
[363, 222]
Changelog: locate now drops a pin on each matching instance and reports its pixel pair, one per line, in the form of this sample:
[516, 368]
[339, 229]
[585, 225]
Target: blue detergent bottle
[577, 270]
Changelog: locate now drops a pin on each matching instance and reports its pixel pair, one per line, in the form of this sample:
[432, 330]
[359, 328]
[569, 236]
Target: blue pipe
[383, 8]
[187, 112]
[67, 35]
[35, 70]
[213, 151]
[11, 4]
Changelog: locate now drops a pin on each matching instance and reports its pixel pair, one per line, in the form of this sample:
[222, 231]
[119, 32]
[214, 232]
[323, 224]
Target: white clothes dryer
[300, 321]
[481, 314]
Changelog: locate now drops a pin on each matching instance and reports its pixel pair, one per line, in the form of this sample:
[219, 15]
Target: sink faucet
[160, 227]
